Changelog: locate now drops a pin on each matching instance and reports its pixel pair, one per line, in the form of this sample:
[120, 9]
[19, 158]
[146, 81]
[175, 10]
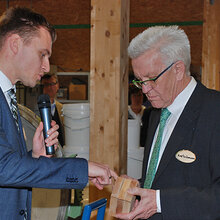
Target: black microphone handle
[46, 119]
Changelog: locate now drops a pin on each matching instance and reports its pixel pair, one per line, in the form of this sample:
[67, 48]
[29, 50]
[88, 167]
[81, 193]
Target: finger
[52, 142]
[53, 129]
[52, 136]
[113, 174]
[104, 180]
[123, 216]
[135, 191]
[53, 123]
[97, 184]
[135, 204]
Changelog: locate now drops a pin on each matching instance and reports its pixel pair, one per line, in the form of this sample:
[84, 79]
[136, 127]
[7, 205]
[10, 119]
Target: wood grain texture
[121, 201]
[211, 45]
[108, 86]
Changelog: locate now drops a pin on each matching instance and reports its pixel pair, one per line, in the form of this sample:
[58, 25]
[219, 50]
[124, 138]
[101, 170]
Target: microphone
[45, 113]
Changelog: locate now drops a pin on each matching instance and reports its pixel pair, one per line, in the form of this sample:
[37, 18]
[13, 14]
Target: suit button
[22, 212]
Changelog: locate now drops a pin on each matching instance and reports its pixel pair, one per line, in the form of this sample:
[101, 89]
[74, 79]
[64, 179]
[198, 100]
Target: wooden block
[121, 201]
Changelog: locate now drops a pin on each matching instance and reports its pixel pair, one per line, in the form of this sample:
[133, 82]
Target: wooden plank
[211, 45]
[108, 86]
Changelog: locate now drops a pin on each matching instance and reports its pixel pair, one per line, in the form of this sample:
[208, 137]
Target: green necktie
[165, 113]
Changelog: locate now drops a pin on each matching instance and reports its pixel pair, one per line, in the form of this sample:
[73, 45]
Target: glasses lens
[137, 84]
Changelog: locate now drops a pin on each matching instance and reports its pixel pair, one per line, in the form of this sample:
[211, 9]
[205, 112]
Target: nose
[46, 65]
[146, 87]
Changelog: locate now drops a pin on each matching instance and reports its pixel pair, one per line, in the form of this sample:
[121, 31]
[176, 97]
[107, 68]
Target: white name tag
[185, 156]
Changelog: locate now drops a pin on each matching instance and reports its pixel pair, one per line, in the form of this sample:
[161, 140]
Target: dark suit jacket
[58, 118]
[190, 191]
[19, 171]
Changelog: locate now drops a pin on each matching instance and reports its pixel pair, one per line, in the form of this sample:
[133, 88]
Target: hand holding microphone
[44, 106]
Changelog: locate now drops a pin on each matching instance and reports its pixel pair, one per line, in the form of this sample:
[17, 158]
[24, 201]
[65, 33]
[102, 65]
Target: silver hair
[170, 42]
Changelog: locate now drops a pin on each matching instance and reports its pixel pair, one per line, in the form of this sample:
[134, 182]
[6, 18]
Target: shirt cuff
[158, 201]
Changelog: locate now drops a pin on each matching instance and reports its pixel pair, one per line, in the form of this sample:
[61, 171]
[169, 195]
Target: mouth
[151, 98]
[40, 76]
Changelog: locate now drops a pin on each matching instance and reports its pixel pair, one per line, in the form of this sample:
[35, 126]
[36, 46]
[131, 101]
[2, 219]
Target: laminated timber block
[121, 201]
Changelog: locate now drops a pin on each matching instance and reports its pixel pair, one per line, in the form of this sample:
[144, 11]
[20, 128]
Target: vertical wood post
[109, 86]
[211, 45]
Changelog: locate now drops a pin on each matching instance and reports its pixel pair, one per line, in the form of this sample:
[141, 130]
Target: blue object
[100, 205]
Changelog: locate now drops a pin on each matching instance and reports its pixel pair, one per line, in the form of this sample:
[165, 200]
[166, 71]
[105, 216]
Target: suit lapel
[183, 131]
[10, 126]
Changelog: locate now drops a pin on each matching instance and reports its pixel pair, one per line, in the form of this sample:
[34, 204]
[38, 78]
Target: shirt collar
[5, 83]
[180, 101]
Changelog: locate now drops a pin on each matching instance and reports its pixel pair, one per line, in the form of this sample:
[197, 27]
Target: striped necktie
[13, 105]
[165, 113]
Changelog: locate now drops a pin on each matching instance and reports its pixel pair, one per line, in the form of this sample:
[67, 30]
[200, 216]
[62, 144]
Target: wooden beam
[109, 86]
[211, 45]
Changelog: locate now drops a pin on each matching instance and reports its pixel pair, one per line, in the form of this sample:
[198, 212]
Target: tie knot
[165, 113]
[11, 92]
[13, 105]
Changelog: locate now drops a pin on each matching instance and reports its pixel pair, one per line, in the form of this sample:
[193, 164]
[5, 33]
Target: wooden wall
[211, 45]
[187, 14]
[71, 51]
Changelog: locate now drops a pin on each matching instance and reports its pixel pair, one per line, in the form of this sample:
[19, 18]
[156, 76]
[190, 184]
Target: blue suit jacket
[19, 172]
[190, 191]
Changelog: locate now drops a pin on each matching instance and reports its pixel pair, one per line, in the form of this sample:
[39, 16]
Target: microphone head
[44, 101]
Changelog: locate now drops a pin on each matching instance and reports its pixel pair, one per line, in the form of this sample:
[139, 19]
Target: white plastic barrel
[135, 162]
[133, 133]
[76, 124]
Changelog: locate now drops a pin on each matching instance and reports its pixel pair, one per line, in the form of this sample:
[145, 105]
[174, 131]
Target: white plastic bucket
[133, 133]
[135, 162]
[77, 137]
[81, 152]
[76, 124]
[76, 107]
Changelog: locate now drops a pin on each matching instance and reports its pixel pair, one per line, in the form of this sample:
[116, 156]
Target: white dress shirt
[53, 106]
[6, 85]
[175, 109]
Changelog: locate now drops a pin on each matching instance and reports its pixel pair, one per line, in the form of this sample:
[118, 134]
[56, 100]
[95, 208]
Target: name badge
[185, 156]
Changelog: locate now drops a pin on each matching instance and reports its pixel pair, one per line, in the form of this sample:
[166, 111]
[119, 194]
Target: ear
[180, 70]
[14, 43]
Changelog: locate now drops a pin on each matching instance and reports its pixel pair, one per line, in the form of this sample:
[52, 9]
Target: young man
[25, 47]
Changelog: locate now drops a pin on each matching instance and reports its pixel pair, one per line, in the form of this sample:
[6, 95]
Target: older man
[181, 167]
[50, 85]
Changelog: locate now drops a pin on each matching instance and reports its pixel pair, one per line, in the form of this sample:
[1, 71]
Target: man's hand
[144, 208]
[100, 175]
[39, 143]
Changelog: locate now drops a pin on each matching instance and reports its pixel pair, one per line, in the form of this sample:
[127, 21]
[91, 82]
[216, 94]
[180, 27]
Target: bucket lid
[76, 106]
[76, 114]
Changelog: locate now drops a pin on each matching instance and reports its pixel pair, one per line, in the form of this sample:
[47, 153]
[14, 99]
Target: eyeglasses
[139, 84]
[49, 84]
